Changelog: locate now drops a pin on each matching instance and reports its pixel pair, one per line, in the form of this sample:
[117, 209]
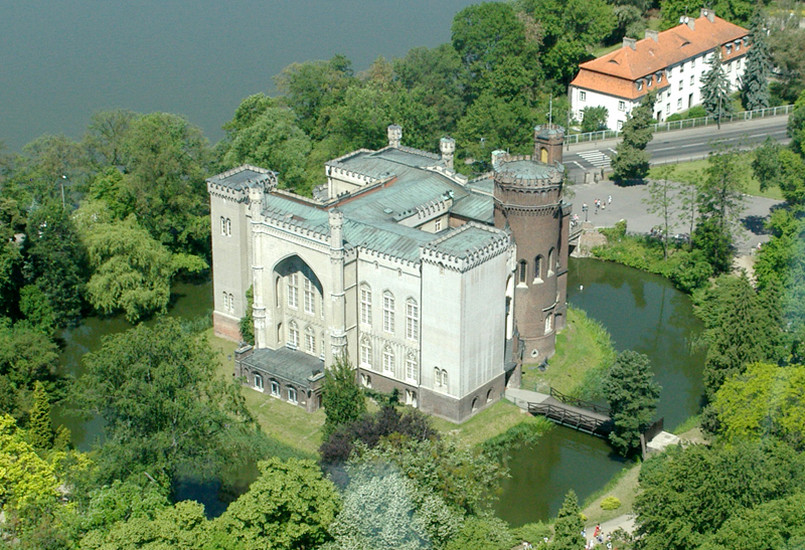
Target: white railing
[571, 139]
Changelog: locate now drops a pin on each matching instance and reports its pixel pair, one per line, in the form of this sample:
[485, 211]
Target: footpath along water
[642, 312]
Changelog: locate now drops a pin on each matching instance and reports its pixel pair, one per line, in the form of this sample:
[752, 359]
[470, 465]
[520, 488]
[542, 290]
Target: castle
[430, 283]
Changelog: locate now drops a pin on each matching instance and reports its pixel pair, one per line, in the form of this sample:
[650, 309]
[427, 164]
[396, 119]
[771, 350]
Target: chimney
[629, 43]
[709, 14]
[654, 35]
[689, 21]
[395, 135]
[447, 146]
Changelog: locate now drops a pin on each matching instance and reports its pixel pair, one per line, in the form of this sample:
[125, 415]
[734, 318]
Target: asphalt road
[674, 146]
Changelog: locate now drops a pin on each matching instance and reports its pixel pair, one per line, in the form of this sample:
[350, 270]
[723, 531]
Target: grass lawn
[623, 486]
[583, 351]
[693, 171]
[486, 424]
[282, 421]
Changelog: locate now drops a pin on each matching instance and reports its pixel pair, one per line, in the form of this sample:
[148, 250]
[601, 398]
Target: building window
[310, 297]
[410, 398]
[366, 381]
[388, 359]
[582, 95]
[691, 80]
[729, 49]
[522, 272]
[293, 299]
[228, 227]
[293, 335]
[310, 340]
[538, 268]
[551, 261]
[667, 108]
[549, 323]
[437, 377]
[411, 320]
[411, 367]
[388, 311]
[292, 395]
[366, 305]
[681, 83]
[444, 380]
[639, 85]
[275, 388]
[437, 225]
[659, 78]
[679, 103]
[620, 125]
[621, 105]
[649, 81]
[366, 352]
[258, 382]
[223, 226]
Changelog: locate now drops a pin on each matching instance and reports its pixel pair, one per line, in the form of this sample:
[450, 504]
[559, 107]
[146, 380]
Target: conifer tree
[40, 427]
[755, 81]
[631, 161]
[341, 397]
[716, 89]
[568, 526]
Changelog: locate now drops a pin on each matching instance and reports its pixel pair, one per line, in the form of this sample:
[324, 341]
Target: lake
[64, 60]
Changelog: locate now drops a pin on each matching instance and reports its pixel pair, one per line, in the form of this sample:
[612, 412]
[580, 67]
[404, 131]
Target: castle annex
[430, 283]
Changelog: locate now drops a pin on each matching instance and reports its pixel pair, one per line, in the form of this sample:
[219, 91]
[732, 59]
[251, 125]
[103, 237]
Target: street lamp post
[61, 181]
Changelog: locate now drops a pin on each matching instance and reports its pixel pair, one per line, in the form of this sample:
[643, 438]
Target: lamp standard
[61, 181]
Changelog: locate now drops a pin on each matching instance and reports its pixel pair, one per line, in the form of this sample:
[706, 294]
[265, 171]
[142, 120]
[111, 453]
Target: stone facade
[402, 264]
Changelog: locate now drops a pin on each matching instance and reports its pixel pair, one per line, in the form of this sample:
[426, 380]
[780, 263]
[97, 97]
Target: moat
[641, 311]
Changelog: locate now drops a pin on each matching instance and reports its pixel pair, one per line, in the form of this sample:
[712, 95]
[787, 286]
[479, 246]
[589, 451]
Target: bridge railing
[569, 418]
[581, 403]
[571, 139]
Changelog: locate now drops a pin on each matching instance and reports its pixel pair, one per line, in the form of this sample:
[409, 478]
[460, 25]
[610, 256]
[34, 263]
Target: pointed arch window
[411, 367]
[388, 359]
[538, 261]
[366, 352]
[293, 335]
[310, 340]
[522, 272]
[551, 261]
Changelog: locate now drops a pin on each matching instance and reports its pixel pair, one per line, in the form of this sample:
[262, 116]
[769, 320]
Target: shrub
[610, 503]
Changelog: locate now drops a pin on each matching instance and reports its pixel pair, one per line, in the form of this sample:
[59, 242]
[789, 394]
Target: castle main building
[430, 283]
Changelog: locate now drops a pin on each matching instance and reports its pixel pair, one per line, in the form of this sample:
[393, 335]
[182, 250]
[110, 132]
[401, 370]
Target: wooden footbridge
[572, 412]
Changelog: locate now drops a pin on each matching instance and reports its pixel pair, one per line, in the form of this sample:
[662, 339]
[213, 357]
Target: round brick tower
[528, 201]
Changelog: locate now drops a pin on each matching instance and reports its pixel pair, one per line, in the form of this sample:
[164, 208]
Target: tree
[788, 56]
[755, 80]
[763, 400]
[631, 161]
[379, 514]
[163, 405]
[661, 200]
[483, 533]
[632, 395]
[594, 119]
[106, 135]
[40, 427]
[342, 397]
[720, 201]
[715, 89]
[26, 355]
[247, 321]
[687, 494]
[132, 272]
[290, 504]
[568, 526]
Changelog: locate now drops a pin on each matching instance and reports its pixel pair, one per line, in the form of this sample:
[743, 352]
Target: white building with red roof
[671, 62]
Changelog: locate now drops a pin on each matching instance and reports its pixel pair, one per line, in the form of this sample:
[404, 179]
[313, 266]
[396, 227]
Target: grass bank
[583, 354]
[693, 171]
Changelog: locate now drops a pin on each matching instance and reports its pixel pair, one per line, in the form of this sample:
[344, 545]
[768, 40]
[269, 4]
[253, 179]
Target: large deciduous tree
[631, 161]
[715, 89]
[661, 201]
[632, 395]
[164, 406]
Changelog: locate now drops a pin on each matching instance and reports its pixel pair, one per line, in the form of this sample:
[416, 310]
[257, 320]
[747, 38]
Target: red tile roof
[614, 72]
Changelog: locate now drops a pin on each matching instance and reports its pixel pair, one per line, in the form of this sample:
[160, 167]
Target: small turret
[447, 146]
[395, 135]
[548, 142]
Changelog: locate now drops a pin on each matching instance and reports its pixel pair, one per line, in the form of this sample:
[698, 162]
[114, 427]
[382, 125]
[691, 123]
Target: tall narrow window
[293, 298]
[223, 225]
[411, 319]
[366, 305]
[549, 323]
[411, 367]
[551, 261]
[437, 377]
[366, 352]
[293, 335]
[292, 395]
[444, 380]
[388, 311]
[310, 297]
[538, 268]
[523, 269]
[437, 225]
[310, 340]
[228, 227]
[258, 382]
[388, 359]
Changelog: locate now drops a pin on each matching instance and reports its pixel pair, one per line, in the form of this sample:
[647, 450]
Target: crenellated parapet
[426, 211]
[466, 247]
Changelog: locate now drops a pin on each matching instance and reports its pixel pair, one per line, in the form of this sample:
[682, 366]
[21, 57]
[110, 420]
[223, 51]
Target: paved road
[675, 146]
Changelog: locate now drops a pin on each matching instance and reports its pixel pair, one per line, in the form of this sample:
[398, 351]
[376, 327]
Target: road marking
[579, 165]
[596, 158]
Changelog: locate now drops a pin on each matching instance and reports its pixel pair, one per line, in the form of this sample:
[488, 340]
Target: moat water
[641, 311]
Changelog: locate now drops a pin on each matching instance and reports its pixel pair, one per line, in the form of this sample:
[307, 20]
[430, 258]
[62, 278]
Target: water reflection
[642, 312]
